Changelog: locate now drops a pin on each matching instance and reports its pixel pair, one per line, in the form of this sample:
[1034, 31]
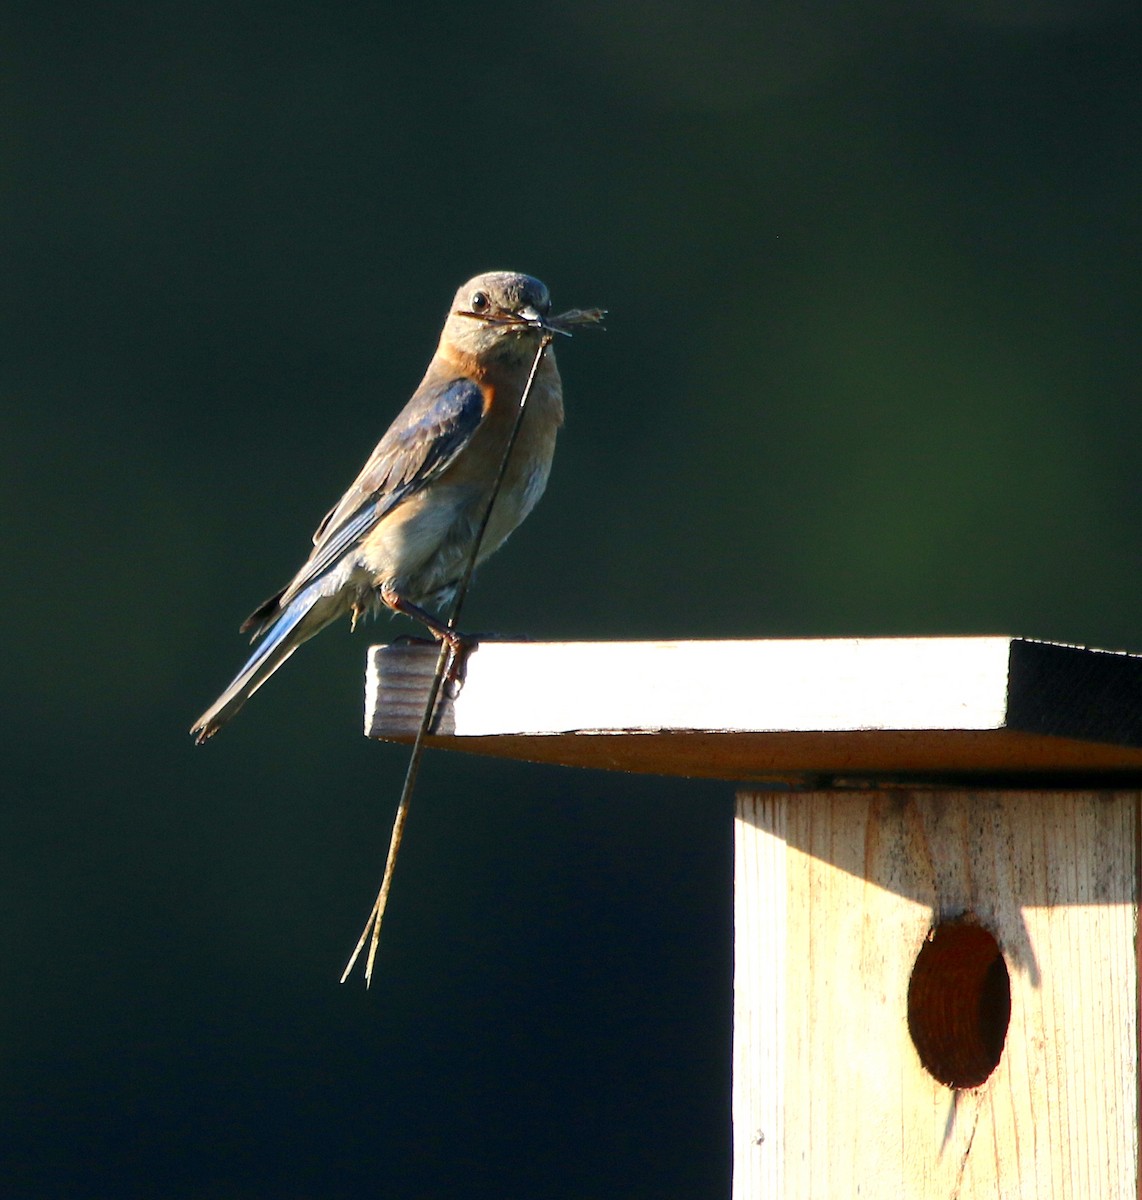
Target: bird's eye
[479, 301]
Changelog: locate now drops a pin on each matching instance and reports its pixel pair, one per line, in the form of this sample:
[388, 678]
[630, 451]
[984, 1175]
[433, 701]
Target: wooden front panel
[836, 893]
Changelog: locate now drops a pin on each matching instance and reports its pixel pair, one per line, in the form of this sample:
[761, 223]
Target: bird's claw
[456, 668]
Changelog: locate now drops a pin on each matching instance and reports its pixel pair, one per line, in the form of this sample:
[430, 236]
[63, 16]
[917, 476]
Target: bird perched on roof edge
[401, 536]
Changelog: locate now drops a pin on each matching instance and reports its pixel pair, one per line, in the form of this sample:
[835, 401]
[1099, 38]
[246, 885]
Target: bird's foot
[455, 666]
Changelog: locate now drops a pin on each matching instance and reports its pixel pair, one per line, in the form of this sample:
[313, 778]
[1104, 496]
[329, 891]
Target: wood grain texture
[835, 893]
[888, 707]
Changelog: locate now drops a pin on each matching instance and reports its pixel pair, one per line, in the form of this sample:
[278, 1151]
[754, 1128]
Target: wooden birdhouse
[936, 887]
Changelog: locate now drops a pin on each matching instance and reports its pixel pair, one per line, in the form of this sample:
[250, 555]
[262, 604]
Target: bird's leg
[459, 646]
[439, 630]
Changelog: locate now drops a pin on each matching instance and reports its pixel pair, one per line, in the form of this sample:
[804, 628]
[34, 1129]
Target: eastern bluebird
[402, 534]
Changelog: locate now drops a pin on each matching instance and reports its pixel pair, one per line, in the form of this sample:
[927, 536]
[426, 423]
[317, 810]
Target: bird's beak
[531, 315]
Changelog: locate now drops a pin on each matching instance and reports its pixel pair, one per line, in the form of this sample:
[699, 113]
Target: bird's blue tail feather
[304, 616]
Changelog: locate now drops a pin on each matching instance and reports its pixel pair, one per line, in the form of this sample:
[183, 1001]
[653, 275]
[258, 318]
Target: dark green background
[872, 368]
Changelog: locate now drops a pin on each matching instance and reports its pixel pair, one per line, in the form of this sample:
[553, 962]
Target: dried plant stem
[372, 931]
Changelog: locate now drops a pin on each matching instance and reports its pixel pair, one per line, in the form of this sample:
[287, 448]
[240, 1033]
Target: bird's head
[501, 314]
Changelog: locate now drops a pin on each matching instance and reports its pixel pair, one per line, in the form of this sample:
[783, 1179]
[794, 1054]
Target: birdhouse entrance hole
[959, 1003]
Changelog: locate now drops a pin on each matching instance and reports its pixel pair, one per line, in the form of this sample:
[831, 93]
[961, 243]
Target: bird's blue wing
[434, 427]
